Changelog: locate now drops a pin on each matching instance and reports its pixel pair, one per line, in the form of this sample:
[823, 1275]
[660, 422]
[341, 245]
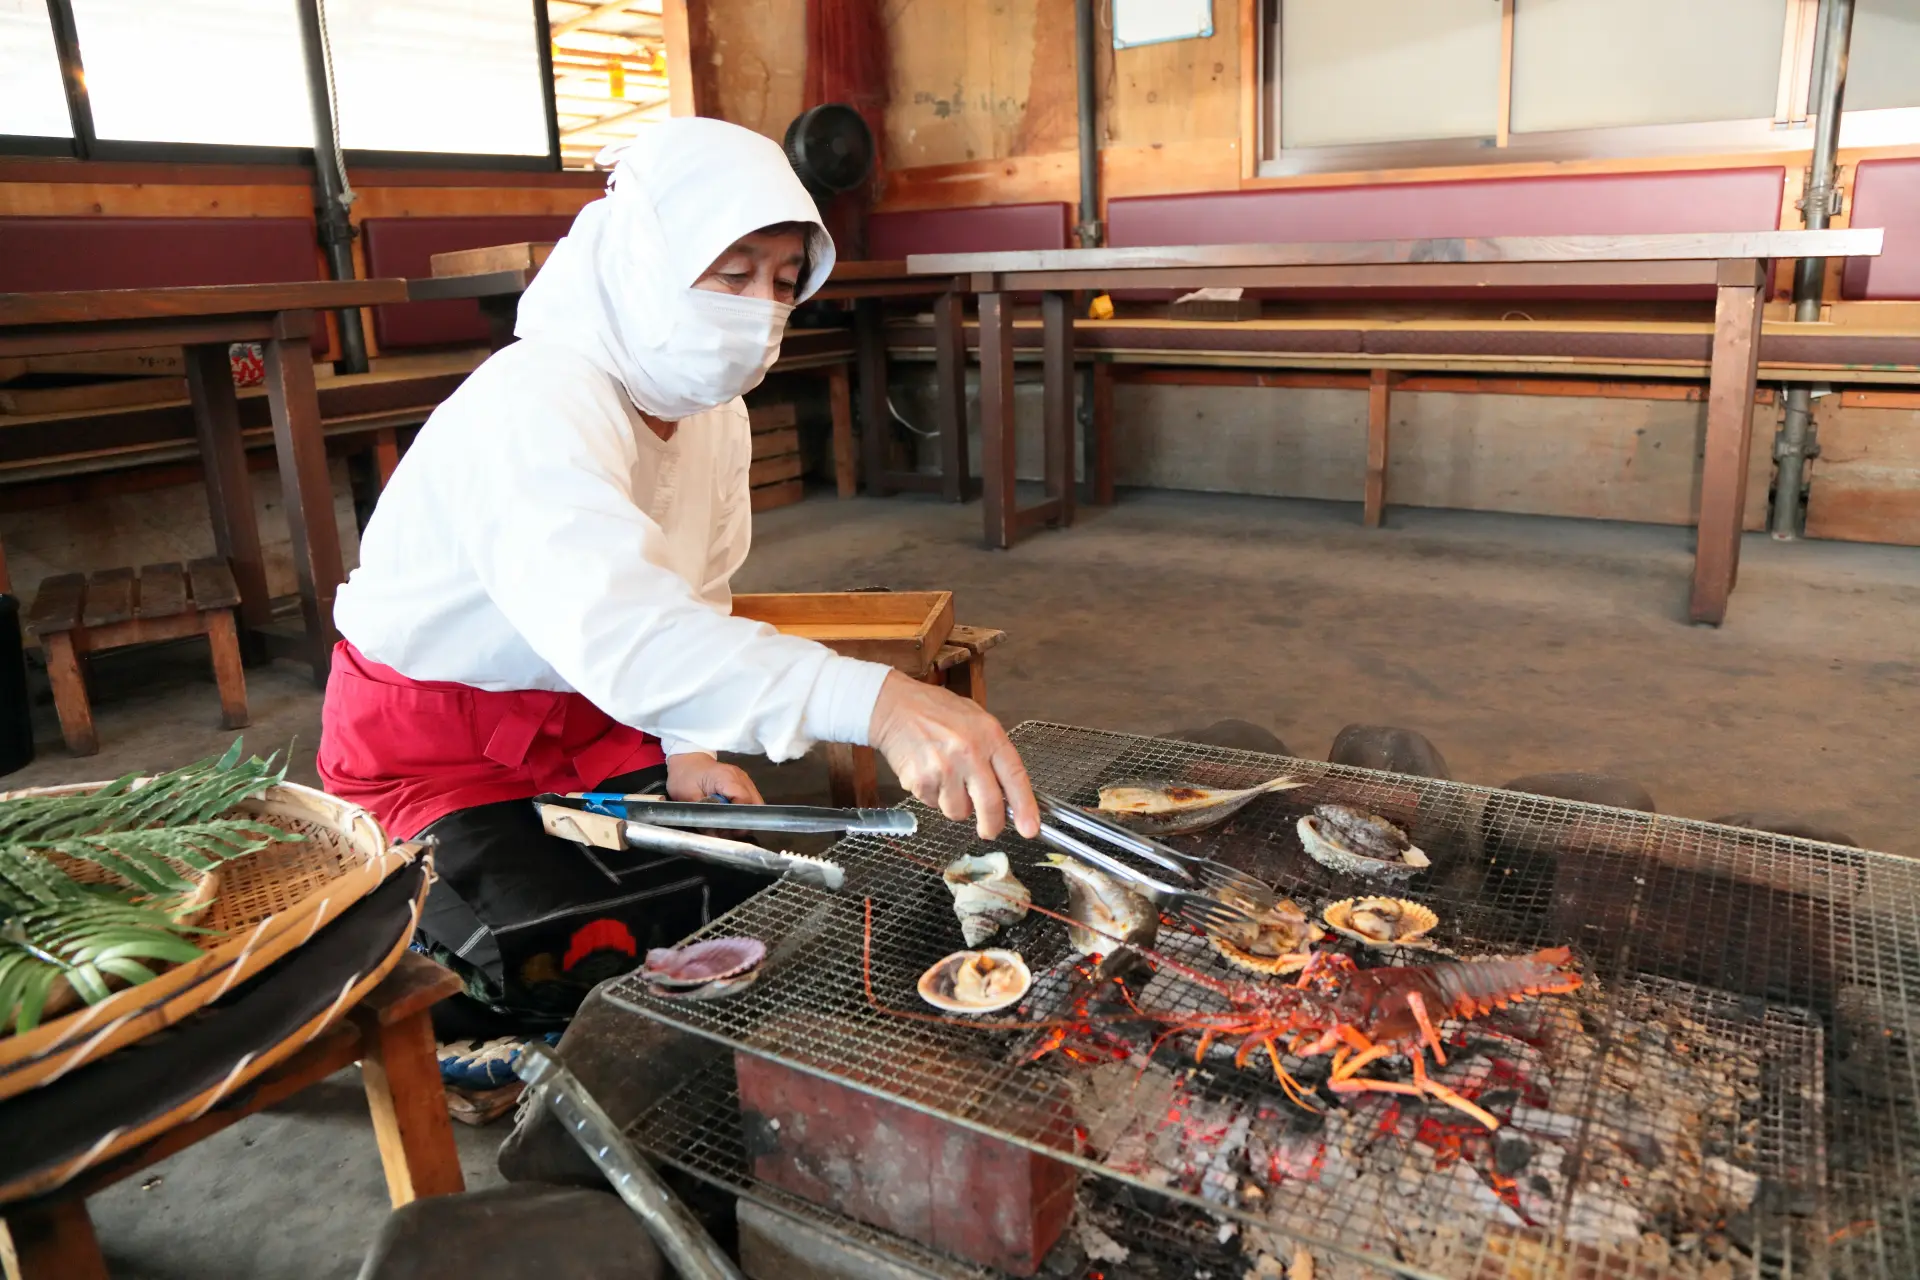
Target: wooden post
[410, 1122]
[386, 455]
[301, 451]
[1375, 507]
[870, 346]
[1102, 485]
[1723, 474]
[223, 459]
[1056, 348]
[853, 776]
[53, 1241]
[999, 491]
[845, 465]
[950, 403]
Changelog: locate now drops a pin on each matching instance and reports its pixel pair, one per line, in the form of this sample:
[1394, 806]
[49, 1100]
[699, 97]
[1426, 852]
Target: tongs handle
[1115, 834]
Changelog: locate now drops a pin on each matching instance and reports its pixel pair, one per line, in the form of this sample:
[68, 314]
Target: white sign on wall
[1137, 22]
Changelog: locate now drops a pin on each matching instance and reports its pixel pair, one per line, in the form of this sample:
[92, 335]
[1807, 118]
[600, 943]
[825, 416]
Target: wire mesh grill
[1732, 1093]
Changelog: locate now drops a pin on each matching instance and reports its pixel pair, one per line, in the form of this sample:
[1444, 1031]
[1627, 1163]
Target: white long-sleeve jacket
[538, 535]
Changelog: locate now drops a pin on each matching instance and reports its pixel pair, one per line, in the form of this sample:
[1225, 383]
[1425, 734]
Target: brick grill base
[888, 1165]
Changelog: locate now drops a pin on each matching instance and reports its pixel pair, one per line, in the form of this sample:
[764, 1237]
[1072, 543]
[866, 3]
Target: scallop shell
[703, 962]
[976, 981]
[1284, 928]
[986, 896]
[1158, 807]
[1413, 920]
[1338, 857]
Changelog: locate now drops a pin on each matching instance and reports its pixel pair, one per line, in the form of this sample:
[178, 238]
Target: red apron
[413, 751]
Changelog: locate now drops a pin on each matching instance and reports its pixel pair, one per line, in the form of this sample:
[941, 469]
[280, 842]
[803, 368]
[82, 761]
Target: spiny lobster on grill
[1333, 1007]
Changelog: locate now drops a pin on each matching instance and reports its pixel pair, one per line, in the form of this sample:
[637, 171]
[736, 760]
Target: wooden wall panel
[759, 62]
[1865, 484]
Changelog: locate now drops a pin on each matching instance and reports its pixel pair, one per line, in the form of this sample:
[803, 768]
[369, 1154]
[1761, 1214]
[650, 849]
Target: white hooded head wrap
[618, 288]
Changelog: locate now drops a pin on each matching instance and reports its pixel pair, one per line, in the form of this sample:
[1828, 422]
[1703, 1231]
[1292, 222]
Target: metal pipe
[330, 195]
[1084, 29]
[1795, 444]
[681, 1238]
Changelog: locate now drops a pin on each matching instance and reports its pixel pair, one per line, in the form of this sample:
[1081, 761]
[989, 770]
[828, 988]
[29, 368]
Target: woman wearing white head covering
[542, 599]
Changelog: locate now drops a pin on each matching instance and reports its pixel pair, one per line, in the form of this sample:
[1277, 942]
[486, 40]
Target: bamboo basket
[268, 903]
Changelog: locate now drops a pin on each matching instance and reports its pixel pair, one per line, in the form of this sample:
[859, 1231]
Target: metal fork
[1215, 875]
[1208, 915]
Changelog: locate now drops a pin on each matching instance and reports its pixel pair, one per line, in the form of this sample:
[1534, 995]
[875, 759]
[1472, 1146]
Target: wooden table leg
[386, 455]
[950, 403]
[876, 422]
[54, 1241]
[70, 693]
[969, 679]
[1374, 509]
[1102, 479]
[223, 458]
[301, 450]
[845, 466]
[227, 674]
[999, 492]
[853, 776]
[1056, 346]
[1723, 475]
[410, 1120]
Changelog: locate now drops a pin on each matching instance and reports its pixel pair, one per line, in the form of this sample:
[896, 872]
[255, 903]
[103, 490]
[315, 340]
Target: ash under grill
[1732, 1093]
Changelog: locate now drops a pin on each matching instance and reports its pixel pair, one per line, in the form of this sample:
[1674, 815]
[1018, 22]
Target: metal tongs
[790, 819]
[1203, 912]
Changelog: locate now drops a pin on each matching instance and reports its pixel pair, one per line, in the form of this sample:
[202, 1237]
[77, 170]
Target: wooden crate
[903, 629]
[777, 464]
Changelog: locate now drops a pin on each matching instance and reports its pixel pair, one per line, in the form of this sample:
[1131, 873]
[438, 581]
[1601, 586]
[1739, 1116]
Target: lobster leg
[1434, 1088]
[1295, 1094]
[1419, 1008]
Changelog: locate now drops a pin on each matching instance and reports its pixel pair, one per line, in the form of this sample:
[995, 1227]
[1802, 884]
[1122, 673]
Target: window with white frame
[1883, 57]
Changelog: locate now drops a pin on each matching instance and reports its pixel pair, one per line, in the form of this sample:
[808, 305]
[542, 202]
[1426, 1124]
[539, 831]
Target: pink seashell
[703, 962]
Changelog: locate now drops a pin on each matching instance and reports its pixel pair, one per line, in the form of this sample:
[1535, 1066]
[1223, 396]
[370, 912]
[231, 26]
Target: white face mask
[721, 348]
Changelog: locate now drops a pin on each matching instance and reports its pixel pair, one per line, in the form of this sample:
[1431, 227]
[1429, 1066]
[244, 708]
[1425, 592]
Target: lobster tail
[1477, 988]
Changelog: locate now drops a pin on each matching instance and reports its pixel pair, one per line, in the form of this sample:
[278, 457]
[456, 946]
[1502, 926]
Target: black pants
[534, 922]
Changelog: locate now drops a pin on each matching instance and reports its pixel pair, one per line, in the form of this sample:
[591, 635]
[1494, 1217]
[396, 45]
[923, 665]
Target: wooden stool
[74, 616]
[853, 773]
[390, 1033]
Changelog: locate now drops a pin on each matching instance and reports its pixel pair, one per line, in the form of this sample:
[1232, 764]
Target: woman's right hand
[953, 756]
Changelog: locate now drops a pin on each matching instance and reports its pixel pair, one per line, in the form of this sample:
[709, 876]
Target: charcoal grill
[1733, 1093]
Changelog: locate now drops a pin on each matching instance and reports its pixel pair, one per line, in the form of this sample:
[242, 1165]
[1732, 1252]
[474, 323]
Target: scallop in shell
[986, 896]
[1381, 922]
[1274, 943]
[1156, 806]
[976, 981]
[699, 963]
[1359, 843]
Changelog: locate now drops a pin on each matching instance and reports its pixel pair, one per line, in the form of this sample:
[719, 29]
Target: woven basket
[268, 903]
[113, 1144]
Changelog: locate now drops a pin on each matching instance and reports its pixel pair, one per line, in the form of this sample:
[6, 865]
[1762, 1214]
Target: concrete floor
[1517, 644]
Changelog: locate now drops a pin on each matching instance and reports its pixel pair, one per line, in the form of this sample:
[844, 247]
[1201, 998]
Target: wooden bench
[390, 1033]
[74, 616]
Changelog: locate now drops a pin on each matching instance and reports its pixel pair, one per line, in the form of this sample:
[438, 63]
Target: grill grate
[1732, 1093]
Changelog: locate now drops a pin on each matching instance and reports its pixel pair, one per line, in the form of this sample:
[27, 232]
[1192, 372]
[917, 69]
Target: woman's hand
[952, 755]
[696, 775]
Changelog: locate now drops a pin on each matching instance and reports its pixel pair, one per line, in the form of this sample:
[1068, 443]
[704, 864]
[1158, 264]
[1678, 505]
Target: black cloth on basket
[534, 922]
[47, 1126]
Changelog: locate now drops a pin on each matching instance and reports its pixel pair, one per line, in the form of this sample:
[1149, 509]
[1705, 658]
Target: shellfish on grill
[1275, 941]
[1156, 806]
[976, 981]
[986, 896]
[703, 970]
[1357, 843]
[1381, 922]
[1105, 915]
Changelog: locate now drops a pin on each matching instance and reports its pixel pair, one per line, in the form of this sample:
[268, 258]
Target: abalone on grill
[1105, 915]
[976, 981]
[1157, 806]
[986, 896]
[1357, 843]
[1381, 922]
[1274, 942]
[703, 970]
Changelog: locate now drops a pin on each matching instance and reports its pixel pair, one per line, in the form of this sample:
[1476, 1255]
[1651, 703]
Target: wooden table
[853, 773]
[389, 1033]
[1735, 264]
[205, 320]
[499, 274]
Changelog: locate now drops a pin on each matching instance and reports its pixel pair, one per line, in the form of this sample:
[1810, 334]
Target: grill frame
[1501, 883]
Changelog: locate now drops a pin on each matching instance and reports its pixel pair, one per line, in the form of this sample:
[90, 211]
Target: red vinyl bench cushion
[1886, 193]
[405, 247]
[996, 228]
